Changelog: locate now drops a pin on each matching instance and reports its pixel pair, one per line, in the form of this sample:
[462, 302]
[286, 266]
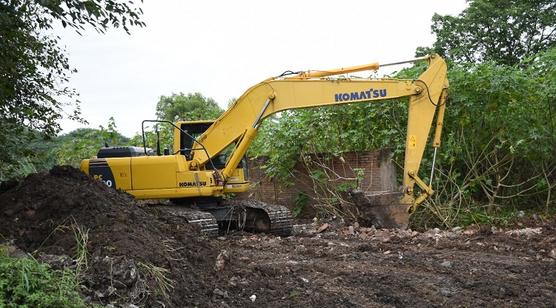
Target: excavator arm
[427, 94]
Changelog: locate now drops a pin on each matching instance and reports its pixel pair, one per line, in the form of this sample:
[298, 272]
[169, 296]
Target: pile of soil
[134, 254]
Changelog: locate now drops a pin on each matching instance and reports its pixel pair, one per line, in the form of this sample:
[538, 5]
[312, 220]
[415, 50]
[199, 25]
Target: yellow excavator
[207, 161]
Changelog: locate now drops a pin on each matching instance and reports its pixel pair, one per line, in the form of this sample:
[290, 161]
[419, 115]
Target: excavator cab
[184, 141]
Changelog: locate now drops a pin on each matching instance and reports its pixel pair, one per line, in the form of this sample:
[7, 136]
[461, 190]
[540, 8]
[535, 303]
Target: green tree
[504, 31]
[34, 69]
[193, 106]
[71, 148]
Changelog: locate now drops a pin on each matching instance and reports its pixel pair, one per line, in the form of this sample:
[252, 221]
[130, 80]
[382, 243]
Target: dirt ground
[353, 267]
[143, 256]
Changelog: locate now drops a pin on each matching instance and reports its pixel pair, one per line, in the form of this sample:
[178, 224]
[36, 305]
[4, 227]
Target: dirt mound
[125, 252]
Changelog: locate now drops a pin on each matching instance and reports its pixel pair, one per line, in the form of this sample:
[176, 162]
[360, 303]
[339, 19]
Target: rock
[528, 232]
[221, 293]
[323, 228]
[221, 260]
[469, 232]
[233, 281]
[446, 292]
[12, 250]
[57, 261]
[446, 263]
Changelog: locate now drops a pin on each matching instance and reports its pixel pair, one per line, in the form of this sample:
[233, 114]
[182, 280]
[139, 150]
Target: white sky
[220, 48]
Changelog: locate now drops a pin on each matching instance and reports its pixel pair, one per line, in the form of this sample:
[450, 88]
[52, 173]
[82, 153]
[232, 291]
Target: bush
[25, 282]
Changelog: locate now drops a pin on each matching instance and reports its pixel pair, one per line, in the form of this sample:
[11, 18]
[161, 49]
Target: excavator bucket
[382, 210]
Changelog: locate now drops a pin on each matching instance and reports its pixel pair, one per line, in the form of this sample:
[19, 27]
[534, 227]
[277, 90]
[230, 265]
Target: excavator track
[263, 217]
[217, 215]
[205, 220]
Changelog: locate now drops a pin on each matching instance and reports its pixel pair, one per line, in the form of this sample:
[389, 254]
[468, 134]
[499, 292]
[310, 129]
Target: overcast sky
[220, 48]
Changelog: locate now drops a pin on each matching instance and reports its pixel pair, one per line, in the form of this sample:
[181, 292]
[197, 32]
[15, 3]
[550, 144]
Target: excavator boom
[240, 122]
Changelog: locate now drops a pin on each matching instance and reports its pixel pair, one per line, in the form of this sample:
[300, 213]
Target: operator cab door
[196, 129]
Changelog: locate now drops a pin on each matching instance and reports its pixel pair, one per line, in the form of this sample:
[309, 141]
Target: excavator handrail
[178, 128]
[352, 69]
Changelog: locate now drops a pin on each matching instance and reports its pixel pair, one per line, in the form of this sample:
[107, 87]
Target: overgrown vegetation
[499, 143]
[38, 154]
[34, 71]
[26, 282]
[502, 31]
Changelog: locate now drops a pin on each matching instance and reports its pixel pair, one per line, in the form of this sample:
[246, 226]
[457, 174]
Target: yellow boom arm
[239, 123]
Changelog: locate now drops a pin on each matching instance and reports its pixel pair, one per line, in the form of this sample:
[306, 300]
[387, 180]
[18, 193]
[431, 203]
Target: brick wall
[379, 175]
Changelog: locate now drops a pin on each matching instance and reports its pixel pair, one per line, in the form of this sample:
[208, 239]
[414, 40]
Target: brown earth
[147, 257]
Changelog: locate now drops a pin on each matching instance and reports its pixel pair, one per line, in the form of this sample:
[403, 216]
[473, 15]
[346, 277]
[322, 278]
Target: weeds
[159, 275]
[300, 202]
[25, 282]
[81, 236]
[330, 187]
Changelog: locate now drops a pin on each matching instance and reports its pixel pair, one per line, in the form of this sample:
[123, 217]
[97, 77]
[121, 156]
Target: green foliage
[24, 151]
[331, 129]
[498, 146]
[496, 30]
[190, 107]
[32, 66]
[32, 152]
[83, 143]
[346, 186]
[25, 282]
[187, 107]
[99, 14]
[34, 69]
[301, 200]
